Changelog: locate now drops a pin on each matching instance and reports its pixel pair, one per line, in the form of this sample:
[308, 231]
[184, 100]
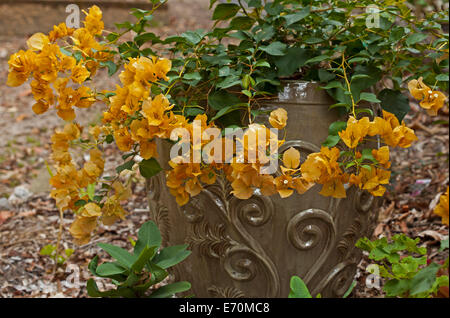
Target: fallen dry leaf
[27, 213]
[21, 117]
[378, 230]
[436, 235]
[404, 227]
[5, 215]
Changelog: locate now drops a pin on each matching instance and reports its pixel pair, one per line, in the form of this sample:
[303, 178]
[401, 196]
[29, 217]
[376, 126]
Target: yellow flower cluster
[68, 181]
[442, 208]
[49, 65]
[430, 100]
[388, 128]
[153, 117]
[69, 184]
[187, 180]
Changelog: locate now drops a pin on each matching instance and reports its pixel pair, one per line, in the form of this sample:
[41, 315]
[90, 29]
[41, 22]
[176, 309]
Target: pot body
[251, 248]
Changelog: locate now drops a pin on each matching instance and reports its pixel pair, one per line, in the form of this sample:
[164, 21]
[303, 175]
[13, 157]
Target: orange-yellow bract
[430, 100]
[442, 207]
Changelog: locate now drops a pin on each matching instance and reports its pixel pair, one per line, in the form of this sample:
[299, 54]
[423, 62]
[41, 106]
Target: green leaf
[255, 3]
[224, 11]
[112, 37]
[444, 245]
[69, 252]
[415, 38]
[275, 48]
[193, 77]
[262, 64]
[110, 269]
[325, 76]
[146, 254]
[223, 112]
[241, 23]
[350, 289]
[126, 166]
[92, 289]
[289, 63]
[294, 18]
[47, 250]
[394, 102]
[364, 110]
[367, 154]
[331, 141]
[424, 279]
[158, 273]
[336, 127]
[317, 59]
[193, 111]
[149, 168]
[146, 37]
[171, 256]
[229, 82]
[193, 37]
[121, 255]
[369, 97]
[358, 60]
[148, 235]
[396, 287]
[298, 288]
[359, 76]
[171, 289]
[112, 67]
[442, 78]
[266, 33]
[93, 265]
[333, 84]
[90, 190]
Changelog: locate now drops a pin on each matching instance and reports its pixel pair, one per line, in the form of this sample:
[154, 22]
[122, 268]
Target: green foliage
[310, 40]
[50, 251]
[406, 275]
[135, 273]
[300, 290]
[149, 167]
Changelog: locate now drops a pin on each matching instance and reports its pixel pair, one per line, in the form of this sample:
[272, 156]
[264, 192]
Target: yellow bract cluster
[388, 128]
[49, 66]
[442, 208]
[430, 100]
[152, 115]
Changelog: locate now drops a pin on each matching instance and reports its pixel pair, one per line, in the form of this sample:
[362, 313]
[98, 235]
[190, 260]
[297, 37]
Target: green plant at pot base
[300, 290]
[404, 266]
[135, 273]
[50, 251]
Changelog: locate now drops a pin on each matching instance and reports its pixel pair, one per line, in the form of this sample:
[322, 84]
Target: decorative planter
[251, 248]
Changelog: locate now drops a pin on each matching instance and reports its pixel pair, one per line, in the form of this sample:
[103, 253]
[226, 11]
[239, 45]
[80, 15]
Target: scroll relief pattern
[242, 259]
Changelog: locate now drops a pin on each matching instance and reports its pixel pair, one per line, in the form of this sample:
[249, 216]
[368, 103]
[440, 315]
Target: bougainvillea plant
[220, 78]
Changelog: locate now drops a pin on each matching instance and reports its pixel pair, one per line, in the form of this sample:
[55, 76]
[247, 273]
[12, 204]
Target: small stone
[22, 192]
[3, 53]
[5, 205]
[20, 195]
